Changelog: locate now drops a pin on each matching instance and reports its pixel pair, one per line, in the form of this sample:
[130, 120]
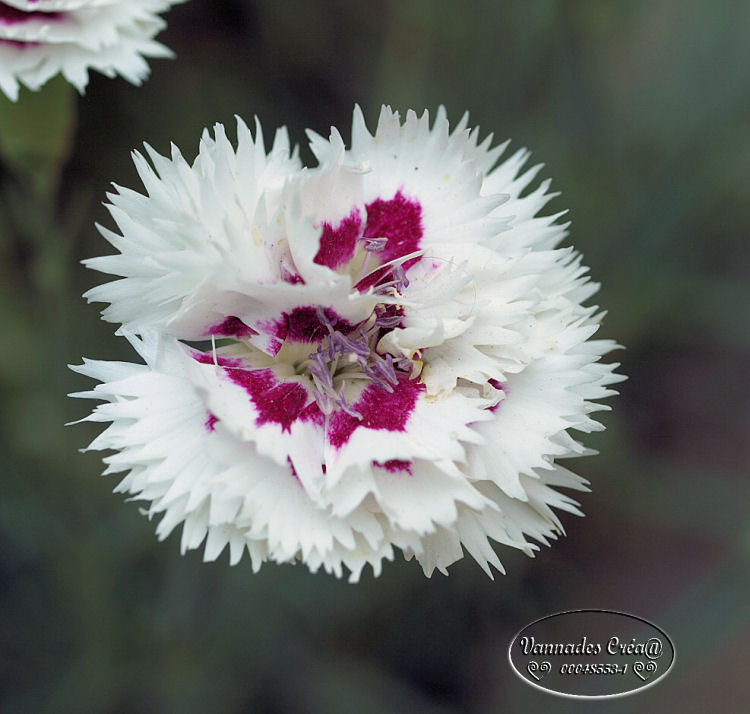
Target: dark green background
[641, 112]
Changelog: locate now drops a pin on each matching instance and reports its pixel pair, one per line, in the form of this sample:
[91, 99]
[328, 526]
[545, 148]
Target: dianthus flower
[42, 38]
[387, 350]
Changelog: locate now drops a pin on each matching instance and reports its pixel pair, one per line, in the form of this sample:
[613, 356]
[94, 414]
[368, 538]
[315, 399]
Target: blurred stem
[36, 134]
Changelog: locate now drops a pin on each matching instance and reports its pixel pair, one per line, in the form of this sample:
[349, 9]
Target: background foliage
[641, 111]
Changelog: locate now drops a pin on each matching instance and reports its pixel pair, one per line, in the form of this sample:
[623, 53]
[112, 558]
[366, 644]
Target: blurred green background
[641, 112]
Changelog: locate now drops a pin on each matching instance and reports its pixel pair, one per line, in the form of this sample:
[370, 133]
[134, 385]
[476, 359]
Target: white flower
[403, 349]
[41, 38]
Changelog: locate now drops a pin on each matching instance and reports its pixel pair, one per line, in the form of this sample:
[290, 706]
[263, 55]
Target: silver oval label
[592, 654]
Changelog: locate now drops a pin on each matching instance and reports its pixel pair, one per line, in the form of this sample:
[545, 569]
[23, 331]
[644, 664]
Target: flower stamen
[375, 244]
[342, 358]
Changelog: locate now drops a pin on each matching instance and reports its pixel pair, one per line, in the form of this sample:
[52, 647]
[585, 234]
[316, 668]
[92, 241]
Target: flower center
[340, 358]
[344, 360]
[341, 361]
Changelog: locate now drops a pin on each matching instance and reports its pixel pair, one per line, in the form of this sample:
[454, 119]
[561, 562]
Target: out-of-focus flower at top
[387, 350]
[42, 38]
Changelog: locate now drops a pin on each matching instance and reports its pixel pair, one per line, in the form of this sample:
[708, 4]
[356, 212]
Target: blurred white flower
[42, 38]
[402, 350]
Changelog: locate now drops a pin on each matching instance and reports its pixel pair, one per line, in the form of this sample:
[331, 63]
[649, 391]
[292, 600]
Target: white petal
[72, 36]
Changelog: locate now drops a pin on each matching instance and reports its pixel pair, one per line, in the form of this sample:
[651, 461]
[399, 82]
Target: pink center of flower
[338, 245]
[343, 357]
[232, 327]
[392, 229]
[378, 410]
[352, 384]
[277, 402]
[308, 323]
[399, 220]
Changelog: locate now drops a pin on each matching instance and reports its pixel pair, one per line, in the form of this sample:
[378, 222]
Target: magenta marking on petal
[395, 466]
[210, 423]
[293, 470]
[303, 324]
[13, 16]
[208, 358]
[274, 346]
[292, 278]
[20, 44]
[398, 219]
[276, 402]
[494, 383]
[338, 245]
[313, 414]
[381, 410]
[231, 327]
